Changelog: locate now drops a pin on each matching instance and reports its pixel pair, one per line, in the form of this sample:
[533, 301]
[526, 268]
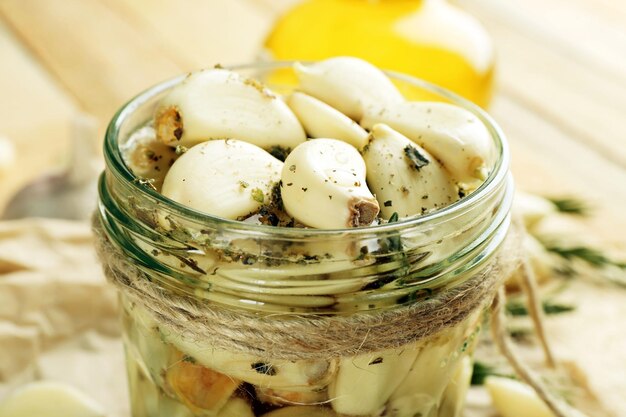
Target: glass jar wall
[279, 278]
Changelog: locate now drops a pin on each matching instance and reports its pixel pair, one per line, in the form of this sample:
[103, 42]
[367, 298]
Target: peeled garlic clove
[148, 158]
[323, 186]
[456, 391]
[364, 383]
[145, 343]
[515, 399]
[236, 407]
[532, 208]
[221, 104]
[50, 399]
[405, 178]
[453, 135]
[282, 397]
[7, 155]
[298, 411]
[428, 375]
[542, 262]
[278, 374]
[351, 85]
[199, 388]
[323, 121]
[226, 178]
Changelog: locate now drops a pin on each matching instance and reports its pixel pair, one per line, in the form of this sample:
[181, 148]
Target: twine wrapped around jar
[291, 336]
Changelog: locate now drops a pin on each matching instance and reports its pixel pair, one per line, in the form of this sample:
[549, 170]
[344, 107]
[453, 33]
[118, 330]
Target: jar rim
[116, 165]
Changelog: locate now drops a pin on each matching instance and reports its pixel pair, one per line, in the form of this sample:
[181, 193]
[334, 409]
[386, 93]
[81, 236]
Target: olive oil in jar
[429, 39]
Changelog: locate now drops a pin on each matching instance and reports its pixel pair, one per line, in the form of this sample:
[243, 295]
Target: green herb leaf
[589, 255]
[258, 196]
[394, 242]
[482, 371]
[190, 359]
[570, 205]
[419, 161]
[517, 308]
[279, 152]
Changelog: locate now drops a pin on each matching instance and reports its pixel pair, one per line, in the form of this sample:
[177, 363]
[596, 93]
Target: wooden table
[561, 80]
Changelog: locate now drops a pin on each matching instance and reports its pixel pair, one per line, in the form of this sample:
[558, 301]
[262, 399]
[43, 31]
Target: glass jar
[276, 322]
[429, 39]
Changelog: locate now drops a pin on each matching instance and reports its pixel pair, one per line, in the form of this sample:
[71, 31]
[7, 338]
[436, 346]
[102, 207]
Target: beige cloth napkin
[58, 317]
[58, 321]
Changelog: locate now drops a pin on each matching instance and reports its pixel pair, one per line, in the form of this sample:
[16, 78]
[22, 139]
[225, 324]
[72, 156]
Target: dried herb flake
[418, 160]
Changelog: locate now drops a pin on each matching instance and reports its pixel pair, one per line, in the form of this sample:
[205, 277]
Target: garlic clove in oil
[405, 178]
[351, 85]
[453, 135]
[226, 178]
[364, 383]
[323, 186]
[323, 121]
[221, 104]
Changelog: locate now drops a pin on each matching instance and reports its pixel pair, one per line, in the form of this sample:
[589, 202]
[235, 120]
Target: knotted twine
[300, 337]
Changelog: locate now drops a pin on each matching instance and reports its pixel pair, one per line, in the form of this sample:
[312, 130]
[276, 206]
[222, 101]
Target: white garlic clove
[145, 343]
[428, 375]
[453, 398]
[200, 389]
[282, 397]
[351, 85]
[532, 208]
[323, 186]
[221, 104]
[513, 398]
[7, 155]
[226, 178]
[236, 407]
[148, 158]
[298, 411]
[544, 264]
[278, 374]
[453, 135]
[364, 383]
[404, 177]
[323, 121]
[51, 399]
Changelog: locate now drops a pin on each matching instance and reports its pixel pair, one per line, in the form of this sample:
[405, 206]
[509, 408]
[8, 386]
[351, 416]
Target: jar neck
[277, 270]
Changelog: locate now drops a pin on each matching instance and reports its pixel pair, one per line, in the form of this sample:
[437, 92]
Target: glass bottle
[429, 39]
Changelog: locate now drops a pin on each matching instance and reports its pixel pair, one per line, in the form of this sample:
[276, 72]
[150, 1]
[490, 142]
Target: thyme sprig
[518, 308]
[591, 256]
[608, 269]
[570, 205]
[482, 371]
